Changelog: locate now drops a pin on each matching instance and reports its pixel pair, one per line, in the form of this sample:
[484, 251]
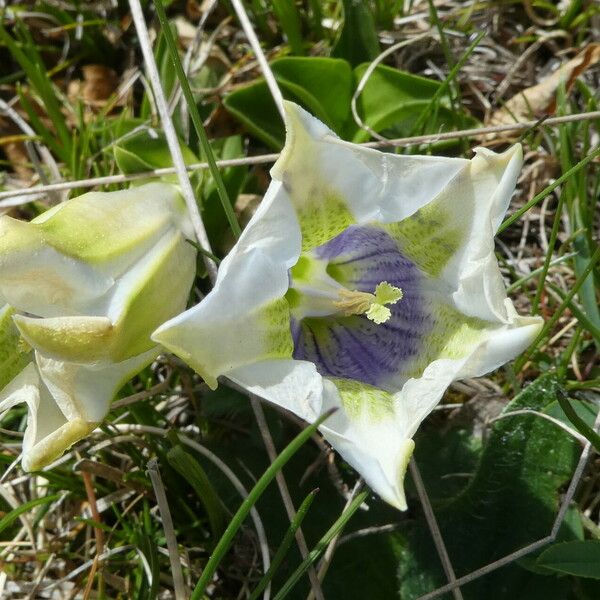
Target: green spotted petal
[70, 260]
[103, 227]
[431, 236]
[451, 239]
[235, 325]
[79, 339]
[65, 402]
[333, 183]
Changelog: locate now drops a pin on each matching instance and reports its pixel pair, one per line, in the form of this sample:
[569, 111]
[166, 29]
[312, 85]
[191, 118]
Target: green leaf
[234, 178]
[145, 152]
[191, 470]
[8, 519]
[358, 41]
[579, 558]
[253, 106]
[321, 85]
[393, 100]
[511, 500]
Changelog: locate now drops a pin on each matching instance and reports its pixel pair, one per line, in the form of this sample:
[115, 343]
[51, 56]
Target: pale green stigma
[373, 306]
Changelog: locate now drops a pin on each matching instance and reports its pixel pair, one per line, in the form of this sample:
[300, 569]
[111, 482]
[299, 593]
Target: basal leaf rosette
[85, 284]
[365, 281]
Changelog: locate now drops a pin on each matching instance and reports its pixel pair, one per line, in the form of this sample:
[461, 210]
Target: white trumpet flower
[86, 283]
[366, 281]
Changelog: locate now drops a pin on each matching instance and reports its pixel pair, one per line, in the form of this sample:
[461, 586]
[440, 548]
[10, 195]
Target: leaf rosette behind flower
[365, 281]
[85, 284]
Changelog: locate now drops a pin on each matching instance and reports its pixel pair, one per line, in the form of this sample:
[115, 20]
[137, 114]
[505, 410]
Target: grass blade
[577, 421]
[289, 19]
[189, 468]
[559, 311]
[321, 545]
[241, 514]
[288, 538]
[8, 519]
[445, 86]
[196, 119]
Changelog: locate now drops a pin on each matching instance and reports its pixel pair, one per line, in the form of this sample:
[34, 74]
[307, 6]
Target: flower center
[315, 293]
[346, 313]
[373, 306]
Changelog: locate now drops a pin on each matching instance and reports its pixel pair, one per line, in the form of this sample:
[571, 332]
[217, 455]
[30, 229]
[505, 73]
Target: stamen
[371, 305]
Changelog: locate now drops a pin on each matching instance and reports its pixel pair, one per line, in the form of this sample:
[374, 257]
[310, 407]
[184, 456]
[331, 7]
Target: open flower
[85, 284]
[365, 281]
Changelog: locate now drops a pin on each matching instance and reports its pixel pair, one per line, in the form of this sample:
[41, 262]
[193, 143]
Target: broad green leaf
[142, 152]
[580, 558]
[358, 40]
[321, 85]
[253, 106]
[511, 500]
[392, 100]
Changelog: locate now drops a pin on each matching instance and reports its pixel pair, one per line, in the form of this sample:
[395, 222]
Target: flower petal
[66, 261]
[77, 339]
[245, 317]
[333, 183]
[14, 356]
[36, 278]
[138, 306]
[452, 238]
[469, 352]
[48, 432]
[85, 391]
[150, 293]
[114, 227]
[365, 429]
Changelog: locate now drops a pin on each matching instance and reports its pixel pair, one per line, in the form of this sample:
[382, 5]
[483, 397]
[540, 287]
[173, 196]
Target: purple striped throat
[354, 347]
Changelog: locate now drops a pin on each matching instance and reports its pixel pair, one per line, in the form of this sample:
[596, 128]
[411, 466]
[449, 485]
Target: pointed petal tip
[398, 499]
[54, 445]
[167, 335]
[515, 152]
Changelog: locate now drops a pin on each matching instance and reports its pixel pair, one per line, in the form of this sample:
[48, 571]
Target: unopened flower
[365, 281]
[85, 284]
